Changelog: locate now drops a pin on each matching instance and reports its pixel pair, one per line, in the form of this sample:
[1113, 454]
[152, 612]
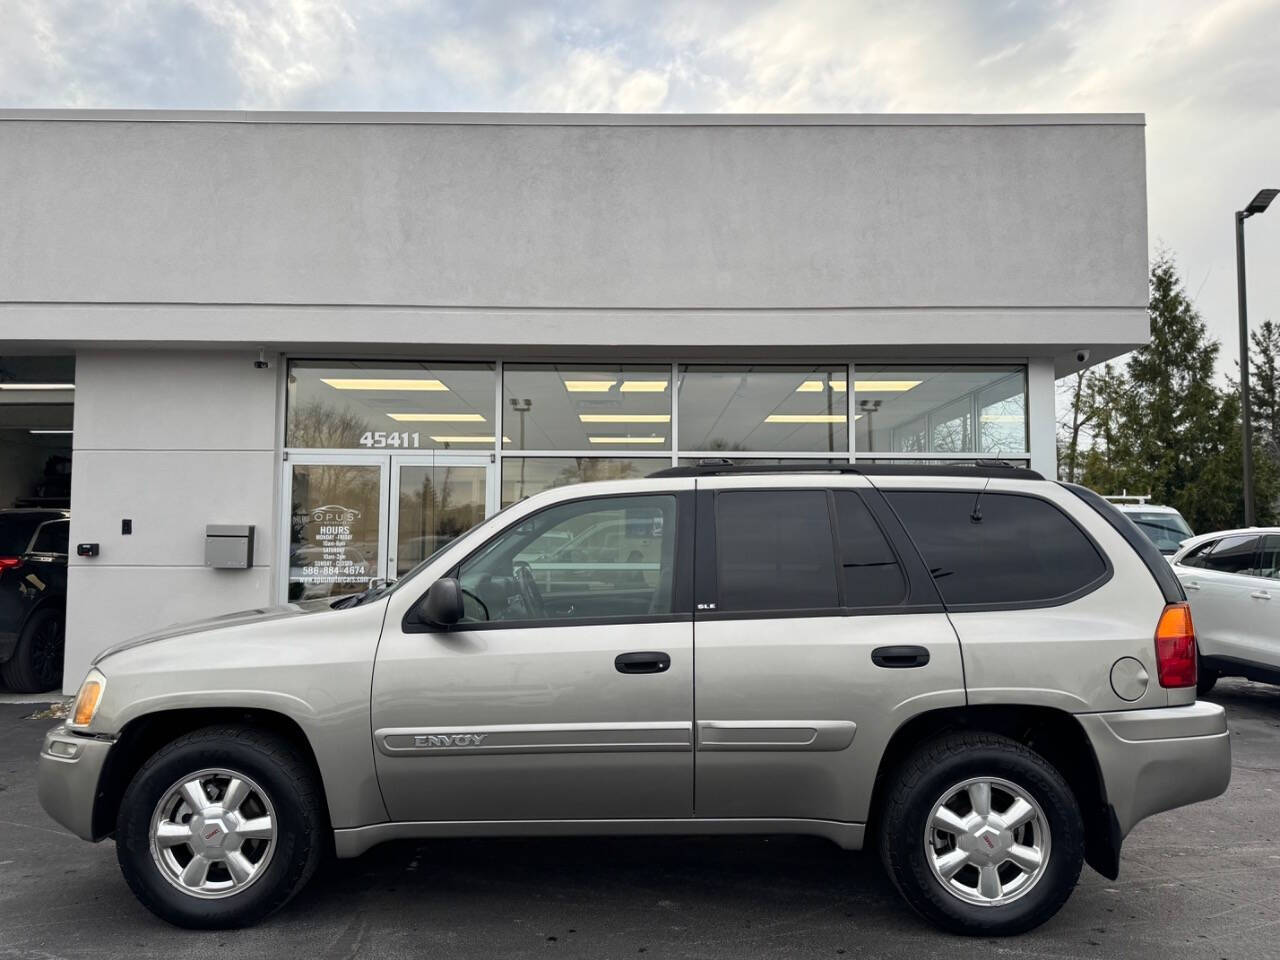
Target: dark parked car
[33, 597]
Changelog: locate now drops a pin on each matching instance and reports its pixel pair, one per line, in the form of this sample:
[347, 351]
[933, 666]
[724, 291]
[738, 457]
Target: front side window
[998, 548]
[587, 559]
[774, 551]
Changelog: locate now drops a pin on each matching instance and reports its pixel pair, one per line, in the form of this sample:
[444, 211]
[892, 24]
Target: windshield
[1165, 530]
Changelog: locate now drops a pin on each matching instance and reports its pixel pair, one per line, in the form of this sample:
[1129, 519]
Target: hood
[239, 619]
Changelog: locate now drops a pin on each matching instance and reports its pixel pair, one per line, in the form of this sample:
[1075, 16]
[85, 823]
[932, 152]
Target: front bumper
[1154, 760]
[67, 778]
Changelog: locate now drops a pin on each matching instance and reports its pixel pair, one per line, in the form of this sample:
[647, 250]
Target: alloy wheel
[987, 841]
[213, 833]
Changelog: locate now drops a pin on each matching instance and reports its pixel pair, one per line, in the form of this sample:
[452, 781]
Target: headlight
[87, 700]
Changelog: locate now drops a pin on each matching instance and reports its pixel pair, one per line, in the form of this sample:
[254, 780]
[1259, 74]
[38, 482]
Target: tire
[909, 849]
[36, 664]
[275, 785]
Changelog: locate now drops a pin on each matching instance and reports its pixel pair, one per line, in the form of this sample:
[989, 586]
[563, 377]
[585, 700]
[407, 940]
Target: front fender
[315, 670]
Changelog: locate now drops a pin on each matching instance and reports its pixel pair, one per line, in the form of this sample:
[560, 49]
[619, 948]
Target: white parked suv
[1163, 526]
[988, 676]
[1232, 579]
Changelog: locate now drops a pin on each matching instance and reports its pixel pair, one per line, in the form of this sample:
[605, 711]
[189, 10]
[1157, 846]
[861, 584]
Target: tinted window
[1229, 555]
[1022, 550]
[52, 537]
[610, 557]
[774, 550]
[1269, 559]
[872, 577]
[16, 530]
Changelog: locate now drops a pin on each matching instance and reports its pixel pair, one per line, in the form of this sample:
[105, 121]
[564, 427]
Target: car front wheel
[981, 835]
[220, 828]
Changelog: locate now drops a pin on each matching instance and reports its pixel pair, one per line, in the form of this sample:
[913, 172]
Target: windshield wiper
[376, 588]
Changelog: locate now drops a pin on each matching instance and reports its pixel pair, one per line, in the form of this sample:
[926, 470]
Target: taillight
[10, 563]
[1176, 647]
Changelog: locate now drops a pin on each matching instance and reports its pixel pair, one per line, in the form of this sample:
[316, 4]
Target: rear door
[1218, 586]
[805, 661]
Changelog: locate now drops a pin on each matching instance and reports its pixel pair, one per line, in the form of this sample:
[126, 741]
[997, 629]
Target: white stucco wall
[172, 441]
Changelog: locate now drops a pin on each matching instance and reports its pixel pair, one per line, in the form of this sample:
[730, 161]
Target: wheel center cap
[213, 832]
[987, 844]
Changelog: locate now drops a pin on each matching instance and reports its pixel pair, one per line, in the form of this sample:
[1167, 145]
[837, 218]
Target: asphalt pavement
[1199, 882]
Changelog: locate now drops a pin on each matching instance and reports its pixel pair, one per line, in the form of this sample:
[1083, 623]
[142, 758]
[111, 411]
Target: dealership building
[283, 354]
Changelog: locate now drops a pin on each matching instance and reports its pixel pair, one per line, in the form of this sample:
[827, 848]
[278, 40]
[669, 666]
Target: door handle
[1260, 595]
[648, 662]
[1191, 585]
[899, 657]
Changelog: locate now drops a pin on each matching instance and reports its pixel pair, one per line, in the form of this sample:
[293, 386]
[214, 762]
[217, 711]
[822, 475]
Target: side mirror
[442, 605]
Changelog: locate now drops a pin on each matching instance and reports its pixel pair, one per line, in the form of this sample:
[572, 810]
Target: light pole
[1257, 205]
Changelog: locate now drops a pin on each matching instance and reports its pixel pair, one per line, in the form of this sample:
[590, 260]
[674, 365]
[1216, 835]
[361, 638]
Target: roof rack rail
[978, 467]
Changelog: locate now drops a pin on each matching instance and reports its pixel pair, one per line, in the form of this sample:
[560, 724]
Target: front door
[566, 693]
[356, 518]
[435, 498]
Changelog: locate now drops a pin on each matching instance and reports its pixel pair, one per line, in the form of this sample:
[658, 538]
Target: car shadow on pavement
[695, 895]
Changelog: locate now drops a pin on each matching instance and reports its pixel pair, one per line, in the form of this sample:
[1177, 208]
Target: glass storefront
[354, 405]
[764, 408]
[948, 410]
[389, 461]
[572, 407]
[524, 476]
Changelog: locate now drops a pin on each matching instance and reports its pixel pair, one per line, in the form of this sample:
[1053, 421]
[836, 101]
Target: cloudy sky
[1206, 74]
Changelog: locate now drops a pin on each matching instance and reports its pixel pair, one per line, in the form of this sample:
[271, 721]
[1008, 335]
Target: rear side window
[52, 537]
[774, 551]
[1228, 555]
[872, 576]
[16, 530]
[1023, 550]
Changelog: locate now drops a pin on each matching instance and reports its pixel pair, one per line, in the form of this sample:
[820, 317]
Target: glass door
[337, 508]
[434, 499]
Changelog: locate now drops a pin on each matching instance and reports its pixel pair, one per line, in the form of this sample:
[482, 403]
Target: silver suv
[990, 676]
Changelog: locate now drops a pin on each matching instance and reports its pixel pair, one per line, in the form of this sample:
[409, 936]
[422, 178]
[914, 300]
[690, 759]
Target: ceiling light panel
[625, 417]
[437, 417]
[589, 386]
[357, 383]
[885, 386]
[806, 418]
[643, 386]
[617, 440]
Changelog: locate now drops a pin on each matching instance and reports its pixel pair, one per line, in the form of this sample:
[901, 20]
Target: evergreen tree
[1165, 429]
[1264, 387]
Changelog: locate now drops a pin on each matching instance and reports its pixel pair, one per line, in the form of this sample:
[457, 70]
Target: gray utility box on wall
[228, 546]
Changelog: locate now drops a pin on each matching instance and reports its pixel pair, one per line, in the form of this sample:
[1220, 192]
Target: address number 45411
[383, 439]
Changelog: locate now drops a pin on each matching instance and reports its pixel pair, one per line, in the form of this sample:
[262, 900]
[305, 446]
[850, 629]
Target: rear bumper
[1155, 760]
[67, 778]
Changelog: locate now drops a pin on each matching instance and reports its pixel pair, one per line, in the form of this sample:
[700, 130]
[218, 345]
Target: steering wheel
[523, 575]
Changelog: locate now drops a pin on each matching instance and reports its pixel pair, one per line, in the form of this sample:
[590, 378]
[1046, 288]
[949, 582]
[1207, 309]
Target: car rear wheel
[220, 828]
[36, 664]
[981, 835]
